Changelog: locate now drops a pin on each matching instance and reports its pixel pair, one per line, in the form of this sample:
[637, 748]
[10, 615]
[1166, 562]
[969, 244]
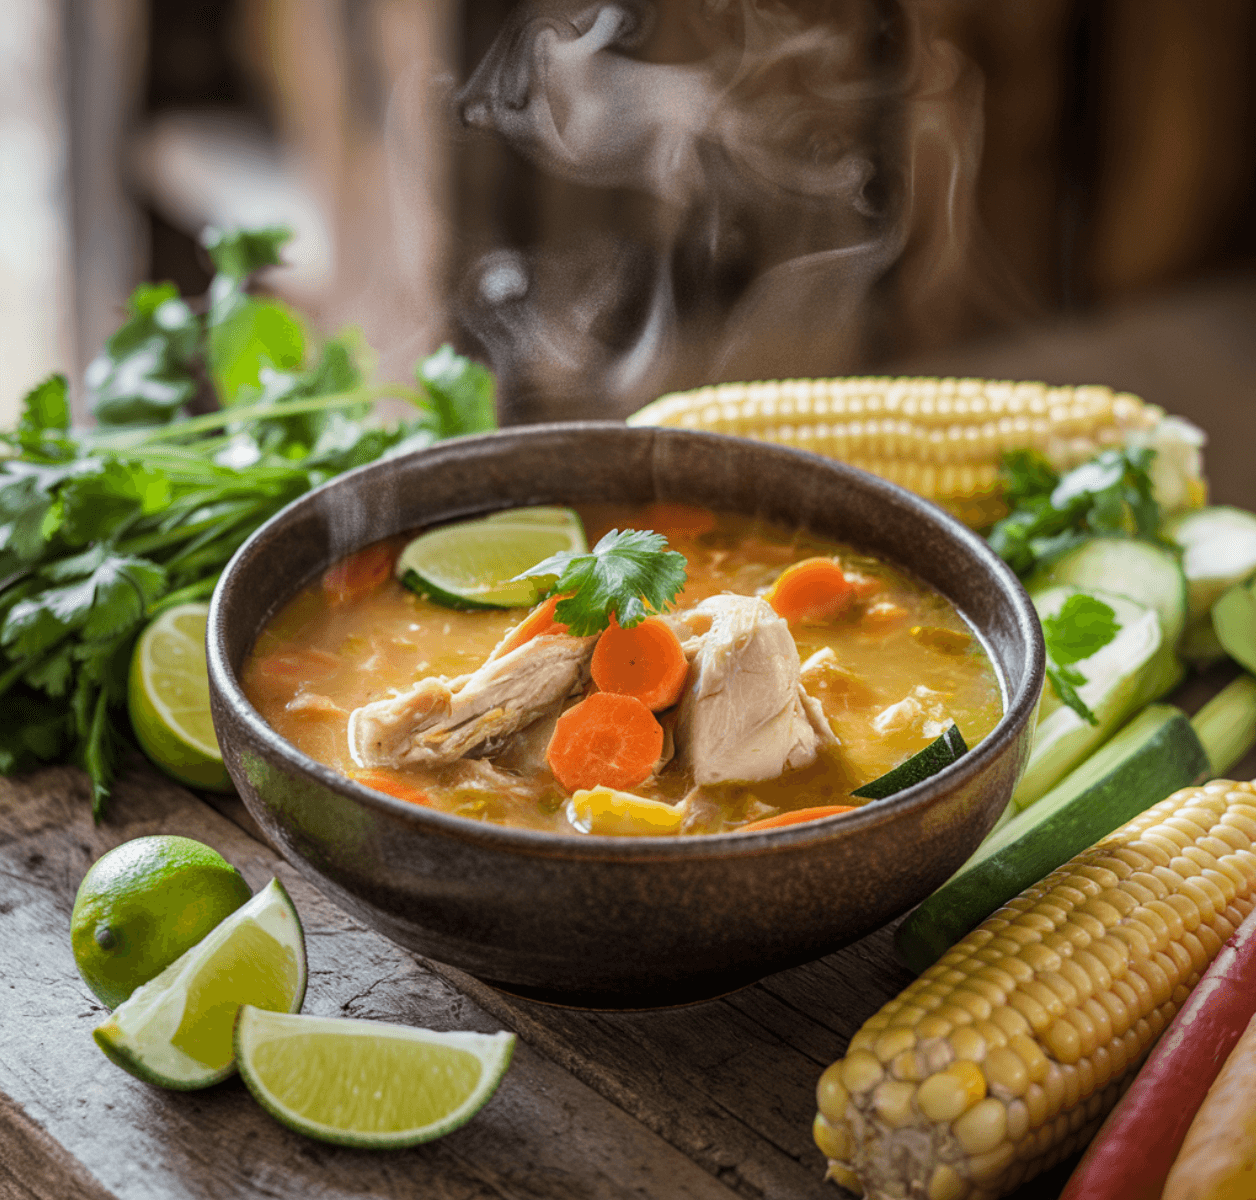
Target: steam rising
[791, 185]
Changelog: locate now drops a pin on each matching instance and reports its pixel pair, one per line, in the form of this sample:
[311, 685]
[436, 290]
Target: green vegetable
[1234, 622]
[101, 529]
[1109, 495]
[1134, 668]
[929, 761]
[1154, 755]
[1083, 625]
[630, 574]
[1218, 551]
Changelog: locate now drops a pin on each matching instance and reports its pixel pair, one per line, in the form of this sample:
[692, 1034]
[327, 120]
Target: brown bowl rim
[1018, 710]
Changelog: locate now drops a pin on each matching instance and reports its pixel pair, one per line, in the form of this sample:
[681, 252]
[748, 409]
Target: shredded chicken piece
[745, 714]
[922, 710]
[438, 721]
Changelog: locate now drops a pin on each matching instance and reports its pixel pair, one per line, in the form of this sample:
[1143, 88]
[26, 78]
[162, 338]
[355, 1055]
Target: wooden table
[701, 1103]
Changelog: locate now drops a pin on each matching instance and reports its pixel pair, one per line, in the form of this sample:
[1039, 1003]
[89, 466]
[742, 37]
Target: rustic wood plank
[545, 1134]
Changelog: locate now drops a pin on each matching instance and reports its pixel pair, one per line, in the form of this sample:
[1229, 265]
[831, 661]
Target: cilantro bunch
[1111, 495]
[101, 529]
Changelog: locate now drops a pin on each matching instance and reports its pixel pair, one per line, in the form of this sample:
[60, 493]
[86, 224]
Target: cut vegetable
[1136, 667]
[1154, 755]
[812, 590]
[605, 741]
[800, 816]
[612, 813]
[1140, 571]
[474, 564]
[1218, 551]
[1234, 620]
[1133, 1152]
[1004, 1057]
[367, 1083]
[645, 661]
[929, 761]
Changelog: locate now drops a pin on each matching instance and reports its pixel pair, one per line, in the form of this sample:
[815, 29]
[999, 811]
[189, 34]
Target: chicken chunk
[439, 721]
[745, 714]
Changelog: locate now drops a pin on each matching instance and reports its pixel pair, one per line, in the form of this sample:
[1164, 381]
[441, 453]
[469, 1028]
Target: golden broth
[316, 662]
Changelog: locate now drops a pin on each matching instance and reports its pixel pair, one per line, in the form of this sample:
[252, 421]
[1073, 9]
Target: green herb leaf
[1066, 681]
[147, 369]
[45, 409]
[630, 574]
[1083, 625]
[460, 393]
[1109, 495]
[238, 253]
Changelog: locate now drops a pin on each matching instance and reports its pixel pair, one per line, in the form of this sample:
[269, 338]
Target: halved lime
[168, 697]
[473, 564]
[367, 1083]
[176, 1030]
[539, 514]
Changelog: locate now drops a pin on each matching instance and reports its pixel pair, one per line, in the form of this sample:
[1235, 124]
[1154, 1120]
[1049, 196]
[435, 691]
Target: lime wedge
[367, 1083]
[176, 1030]
[168, 697]
[473, 564]
[539, 514]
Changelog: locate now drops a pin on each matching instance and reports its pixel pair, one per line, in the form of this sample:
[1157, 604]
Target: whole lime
[145, 903]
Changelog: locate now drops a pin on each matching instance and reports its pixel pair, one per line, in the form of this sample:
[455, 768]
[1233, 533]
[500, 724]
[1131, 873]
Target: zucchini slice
[1234, 622]
[929, 761]
[1218, 551]
[1148, 574]
[1154, 755]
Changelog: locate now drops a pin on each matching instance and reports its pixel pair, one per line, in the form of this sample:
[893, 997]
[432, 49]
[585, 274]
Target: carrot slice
[811, 590]
[539, 621]
[645, 661]
[605, 741]
[359, 574]
[382, 781]
[797, 817]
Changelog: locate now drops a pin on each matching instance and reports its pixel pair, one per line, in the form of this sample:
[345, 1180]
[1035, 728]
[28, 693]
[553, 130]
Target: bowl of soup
[399, 748]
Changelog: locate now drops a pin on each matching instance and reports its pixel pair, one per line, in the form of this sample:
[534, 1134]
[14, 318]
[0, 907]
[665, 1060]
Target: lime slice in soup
[473, 564]
[367, 1083]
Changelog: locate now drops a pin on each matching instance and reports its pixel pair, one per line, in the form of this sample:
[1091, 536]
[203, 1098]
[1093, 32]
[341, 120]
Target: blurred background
[609, 200]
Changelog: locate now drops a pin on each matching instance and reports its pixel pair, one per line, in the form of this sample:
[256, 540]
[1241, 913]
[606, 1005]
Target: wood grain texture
[80, 1123]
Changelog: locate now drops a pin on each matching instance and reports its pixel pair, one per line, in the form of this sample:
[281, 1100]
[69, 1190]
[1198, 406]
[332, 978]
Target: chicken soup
[775, 675]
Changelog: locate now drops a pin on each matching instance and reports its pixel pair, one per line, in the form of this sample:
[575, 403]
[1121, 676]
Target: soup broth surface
[900, 644]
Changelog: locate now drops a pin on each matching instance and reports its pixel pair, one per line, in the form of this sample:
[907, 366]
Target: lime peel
[168, 698]
[367, 1083]
[168, 1032]
[475, 564]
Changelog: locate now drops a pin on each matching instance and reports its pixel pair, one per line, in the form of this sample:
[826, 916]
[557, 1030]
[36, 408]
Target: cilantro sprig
[1082, 626]
[101, 529]
[629, 573]
[1111, 495]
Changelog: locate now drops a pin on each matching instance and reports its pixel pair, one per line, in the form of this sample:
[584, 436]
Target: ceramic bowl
[618, 921]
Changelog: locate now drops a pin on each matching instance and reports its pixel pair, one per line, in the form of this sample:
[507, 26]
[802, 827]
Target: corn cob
[1005, 1056]
[941, 438]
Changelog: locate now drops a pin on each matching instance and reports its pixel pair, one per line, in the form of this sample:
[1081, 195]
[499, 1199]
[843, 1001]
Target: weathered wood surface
[74, 1127]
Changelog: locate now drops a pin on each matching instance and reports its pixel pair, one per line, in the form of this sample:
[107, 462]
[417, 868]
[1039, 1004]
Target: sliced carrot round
[382, 781]
[811, 590]
[797, 817]
[645, 661]
[539, 621]
[359, 574]
[605, 741]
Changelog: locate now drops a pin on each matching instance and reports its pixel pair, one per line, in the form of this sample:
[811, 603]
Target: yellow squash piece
[1005, 1056]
